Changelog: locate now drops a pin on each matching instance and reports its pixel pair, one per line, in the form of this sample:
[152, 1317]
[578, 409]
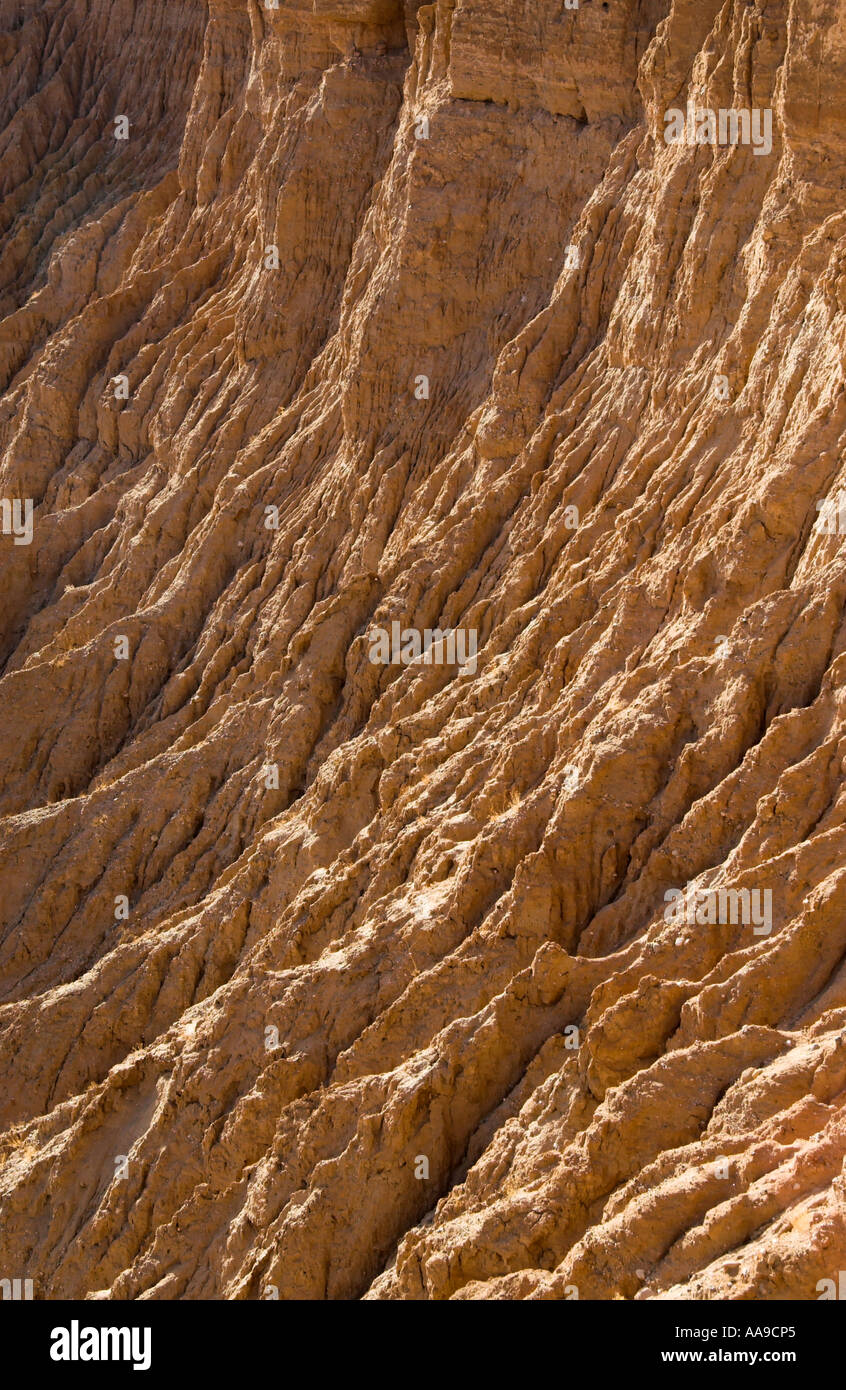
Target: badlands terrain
[326, 975]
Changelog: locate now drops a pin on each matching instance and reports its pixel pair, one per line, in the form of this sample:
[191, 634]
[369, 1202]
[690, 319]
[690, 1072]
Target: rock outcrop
[515, 977]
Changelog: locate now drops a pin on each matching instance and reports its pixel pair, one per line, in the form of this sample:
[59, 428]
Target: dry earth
[327, 979]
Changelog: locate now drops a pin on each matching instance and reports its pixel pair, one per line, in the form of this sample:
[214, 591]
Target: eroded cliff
[326, 978]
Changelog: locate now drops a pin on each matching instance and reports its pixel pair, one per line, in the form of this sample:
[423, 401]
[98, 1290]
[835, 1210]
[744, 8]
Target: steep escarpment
[327, 977]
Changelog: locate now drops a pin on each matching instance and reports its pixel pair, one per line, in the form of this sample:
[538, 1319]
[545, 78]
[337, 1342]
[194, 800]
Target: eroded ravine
[382, 913]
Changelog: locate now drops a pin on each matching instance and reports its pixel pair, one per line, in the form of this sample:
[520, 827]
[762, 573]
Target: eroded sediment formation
[329, 978]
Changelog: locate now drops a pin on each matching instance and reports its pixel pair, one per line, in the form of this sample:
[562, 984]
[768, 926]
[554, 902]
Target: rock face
[520, 976]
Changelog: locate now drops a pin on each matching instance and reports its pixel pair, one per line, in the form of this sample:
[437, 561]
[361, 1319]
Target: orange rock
[326, 978]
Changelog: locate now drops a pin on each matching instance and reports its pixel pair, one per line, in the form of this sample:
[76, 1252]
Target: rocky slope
[327, 979]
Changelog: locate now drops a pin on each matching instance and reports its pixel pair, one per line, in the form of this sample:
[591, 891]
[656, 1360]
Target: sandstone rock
[327, 979]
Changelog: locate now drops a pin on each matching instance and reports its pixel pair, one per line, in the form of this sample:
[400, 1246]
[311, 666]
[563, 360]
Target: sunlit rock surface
[324, 978]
